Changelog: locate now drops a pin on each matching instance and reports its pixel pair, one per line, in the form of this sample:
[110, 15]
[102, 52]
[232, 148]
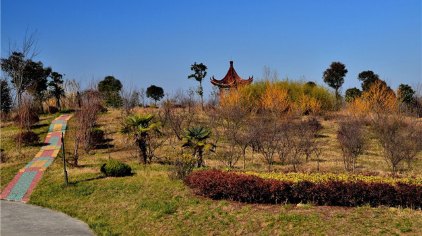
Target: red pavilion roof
[231, 80]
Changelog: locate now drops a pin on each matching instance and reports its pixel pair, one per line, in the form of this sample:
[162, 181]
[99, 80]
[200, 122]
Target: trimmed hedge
[217, 184]
[116, 169]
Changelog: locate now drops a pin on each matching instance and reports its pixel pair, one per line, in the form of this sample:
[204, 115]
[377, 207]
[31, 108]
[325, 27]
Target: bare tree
[26, 117]
[318, 151]
[178, 114]
[71, 89]
[86, 118]
[308, 131]
[400, 138]
[156, 140]
[294, 156]
[230, 123]
[352, 141]
[266, 138]
[130, 99]
[286, 142]
[142, 97]
[16, 63]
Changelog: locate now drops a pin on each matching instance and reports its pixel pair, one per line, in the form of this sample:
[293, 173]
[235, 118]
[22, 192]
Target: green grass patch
[18, 158]
[150, 203]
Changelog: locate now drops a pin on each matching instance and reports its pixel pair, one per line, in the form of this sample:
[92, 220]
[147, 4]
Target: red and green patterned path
[22, 185]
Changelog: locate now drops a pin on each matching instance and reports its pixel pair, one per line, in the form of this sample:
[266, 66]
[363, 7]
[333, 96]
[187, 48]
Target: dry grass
[149, 203]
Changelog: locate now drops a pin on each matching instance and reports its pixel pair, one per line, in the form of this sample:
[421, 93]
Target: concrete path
[25, 181]
[25, 219]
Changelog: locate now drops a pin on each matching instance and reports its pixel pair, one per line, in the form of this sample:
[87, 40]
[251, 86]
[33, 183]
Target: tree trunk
[201, 90]
[337, 99]
[244, 158]
[75, 153]
[142, 145]
[200, 157]
[58, 103]
[19, 95]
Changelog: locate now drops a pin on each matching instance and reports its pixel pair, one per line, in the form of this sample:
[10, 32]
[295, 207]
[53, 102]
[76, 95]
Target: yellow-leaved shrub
[280, 97]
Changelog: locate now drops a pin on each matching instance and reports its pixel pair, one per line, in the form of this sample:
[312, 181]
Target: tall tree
[15, 64]
[110, 89]
[37, 75]
[352, 93]
[6, 99]
[368, 78]
[199, 73]
[334, 76]
[156, 93]
[406, 94]
[14, 67]
[56, 87]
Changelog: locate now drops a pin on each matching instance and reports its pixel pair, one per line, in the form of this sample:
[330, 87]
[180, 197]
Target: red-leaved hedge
[217, 184]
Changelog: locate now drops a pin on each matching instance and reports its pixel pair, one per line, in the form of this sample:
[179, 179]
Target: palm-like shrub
[196, 139]
[140, 127]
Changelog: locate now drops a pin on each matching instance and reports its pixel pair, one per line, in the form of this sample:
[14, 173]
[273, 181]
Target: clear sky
[155, 42]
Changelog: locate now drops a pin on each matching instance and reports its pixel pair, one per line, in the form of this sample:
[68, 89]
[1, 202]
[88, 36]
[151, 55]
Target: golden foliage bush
[379, 99]
[275, 99]
[280, 97]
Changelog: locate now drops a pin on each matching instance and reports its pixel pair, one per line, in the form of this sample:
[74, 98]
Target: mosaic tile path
[22, 185]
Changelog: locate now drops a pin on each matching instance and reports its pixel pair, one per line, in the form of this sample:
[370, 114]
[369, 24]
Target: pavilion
[231, 80]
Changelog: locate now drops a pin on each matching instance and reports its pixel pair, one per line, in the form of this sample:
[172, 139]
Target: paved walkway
[22, 185]
[24, 219]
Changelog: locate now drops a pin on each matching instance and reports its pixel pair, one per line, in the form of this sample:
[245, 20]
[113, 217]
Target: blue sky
[155, 42]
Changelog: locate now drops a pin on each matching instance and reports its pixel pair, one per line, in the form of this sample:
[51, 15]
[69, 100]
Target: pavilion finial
[231, 63]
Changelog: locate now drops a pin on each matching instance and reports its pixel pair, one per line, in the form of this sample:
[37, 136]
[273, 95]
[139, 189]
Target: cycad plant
[196, 139]
[140, 126]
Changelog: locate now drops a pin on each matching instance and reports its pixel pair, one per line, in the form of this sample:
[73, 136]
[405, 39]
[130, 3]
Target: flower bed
[217, 184]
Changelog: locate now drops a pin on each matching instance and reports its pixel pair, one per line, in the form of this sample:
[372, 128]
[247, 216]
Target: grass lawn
[150, 203]
[19, 158]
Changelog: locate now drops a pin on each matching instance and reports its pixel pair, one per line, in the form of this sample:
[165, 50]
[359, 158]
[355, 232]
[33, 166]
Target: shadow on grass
[39, 144]
[87, 180]
[70, 164]
[104, 146]
[37, 126]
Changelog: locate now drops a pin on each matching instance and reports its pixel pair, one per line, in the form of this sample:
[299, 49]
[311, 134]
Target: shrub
[352, 141]
[97, 137]
[3, 156]
[26, 116]
[182, 167]
[281, 96]
[327, 177]
[401, 139]
[52, 110]
[27, 138]
[378, 98]
[252, 189]
[116, 168]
